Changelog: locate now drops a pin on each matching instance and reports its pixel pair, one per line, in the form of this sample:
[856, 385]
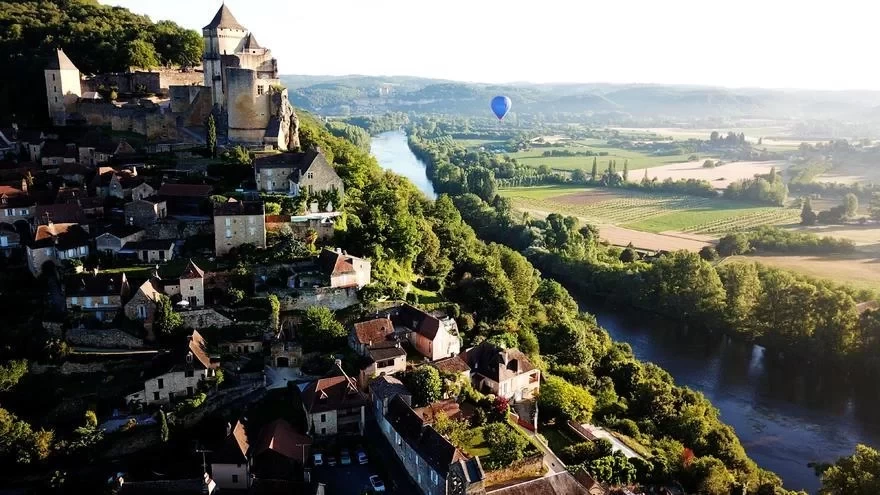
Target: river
[784, 418]
[393, 153]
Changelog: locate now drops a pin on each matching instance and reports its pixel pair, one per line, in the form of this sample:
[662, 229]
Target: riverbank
[783, 420]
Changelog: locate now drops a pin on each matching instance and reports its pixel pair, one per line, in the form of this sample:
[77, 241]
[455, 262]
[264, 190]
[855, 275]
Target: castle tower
[63, 86]
[222, 37]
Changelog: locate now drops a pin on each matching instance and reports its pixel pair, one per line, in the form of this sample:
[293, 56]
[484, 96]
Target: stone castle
[238, 84]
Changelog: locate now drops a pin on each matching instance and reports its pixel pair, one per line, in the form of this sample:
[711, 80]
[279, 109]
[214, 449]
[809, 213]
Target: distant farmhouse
[238, 83]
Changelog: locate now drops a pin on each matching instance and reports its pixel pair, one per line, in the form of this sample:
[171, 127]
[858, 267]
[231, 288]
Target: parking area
[355, 478]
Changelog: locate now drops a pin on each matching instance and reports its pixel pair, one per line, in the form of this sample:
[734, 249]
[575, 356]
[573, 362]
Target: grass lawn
[476, 143]
[476, 444]
[649, 212]
[556, 437]
[168, 269]
[427, 297]
[637, 159]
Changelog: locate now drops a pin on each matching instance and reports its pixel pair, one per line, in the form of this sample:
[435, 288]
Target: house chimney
[338, 363]
[228, 429]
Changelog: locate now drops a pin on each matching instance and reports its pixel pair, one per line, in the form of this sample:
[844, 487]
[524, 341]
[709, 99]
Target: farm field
[857, 270]
[636, 159]
[655, 213]
[476, 143]
[719, 177]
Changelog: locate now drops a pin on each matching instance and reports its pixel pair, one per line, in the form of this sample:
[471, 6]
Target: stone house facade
[57, 242]
[503, 372]
[179, 375]
[434, 464]
[144, 212]
[237, 223]
[142, 191]
[16, 205]
[150, 250]
[98, 295]
[142, 305]
[116, 237]
[334, 405]
[344, 270]
[232, 464]
[298, 173]
[434, 336]
[376, 342]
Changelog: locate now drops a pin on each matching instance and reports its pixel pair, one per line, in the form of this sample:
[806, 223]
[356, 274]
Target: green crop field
[637, 160]
[476, 143]
[649, 212]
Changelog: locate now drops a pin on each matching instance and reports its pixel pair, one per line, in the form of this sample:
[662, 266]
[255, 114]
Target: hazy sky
[756, 43]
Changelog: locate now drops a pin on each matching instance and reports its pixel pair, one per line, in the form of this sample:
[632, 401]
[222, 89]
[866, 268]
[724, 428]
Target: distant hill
[338, 95]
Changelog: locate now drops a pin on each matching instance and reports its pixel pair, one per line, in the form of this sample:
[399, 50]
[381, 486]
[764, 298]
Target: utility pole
[204, 462]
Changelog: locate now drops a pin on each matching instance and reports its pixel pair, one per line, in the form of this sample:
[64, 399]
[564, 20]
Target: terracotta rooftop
[428, 444]
[68, 235]
[496, 363]
[453, 365]
[331, 393]
[235, 449]
[279, 436]
[235, 207]
[373, 331]
[59, 213]
[192, 271]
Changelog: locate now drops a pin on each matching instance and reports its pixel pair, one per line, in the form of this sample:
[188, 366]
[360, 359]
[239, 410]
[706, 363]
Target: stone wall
[144, 118]
[303, 299]
[157, 82]
[203, 318]
[174, 229]
[530, 467]
[104, 339]
[248, 107]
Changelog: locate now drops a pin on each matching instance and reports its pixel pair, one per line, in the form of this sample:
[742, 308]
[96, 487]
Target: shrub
[479, 418]
[709, 253]
[235, 296]
[733, 244]
[709, 164]
[506, 445]
[628, 427]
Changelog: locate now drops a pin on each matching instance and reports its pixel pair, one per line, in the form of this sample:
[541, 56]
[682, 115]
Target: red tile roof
[332, 393]
[280, 437]
[373, 331]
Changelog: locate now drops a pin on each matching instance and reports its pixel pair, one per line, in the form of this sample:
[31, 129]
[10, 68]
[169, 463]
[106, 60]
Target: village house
[177, 374]
[144, 212]
[432, 461]
[242, 346]
[16, 205]
[376, 342]
[334, 405]
[298, 173]
[189, 287]
[231, 465]
[506, 373]
[434, 336]
[55, 154]
[453, 366]
[142, 191]
[280, 451]
[149, 250]
[142, 305]
[323, 224]
[284, 353]
[186, 199]
[59, 213]
[112, 183]
[57, 242]
[116, 236]
[239, 222]
[343, 269]
[10, 239]
[98, 295]
[98, 154]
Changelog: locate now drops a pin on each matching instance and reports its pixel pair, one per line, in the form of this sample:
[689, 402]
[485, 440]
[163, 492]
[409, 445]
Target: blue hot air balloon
[500, 106]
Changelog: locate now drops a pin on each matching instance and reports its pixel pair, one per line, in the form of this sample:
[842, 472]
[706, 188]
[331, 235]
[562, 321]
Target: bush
[235, 296]
[506, 445]
[479, 418]
[584, 452]
[628, 427]
[733, 244]
[709, 253]
[709, 164]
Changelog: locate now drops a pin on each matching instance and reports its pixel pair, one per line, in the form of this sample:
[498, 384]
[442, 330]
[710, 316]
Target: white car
[377, 484]
[317, 459]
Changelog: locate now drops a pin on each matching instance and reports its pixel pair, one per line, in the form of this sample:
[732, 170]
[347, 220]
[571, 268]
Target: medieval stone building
[240, 87]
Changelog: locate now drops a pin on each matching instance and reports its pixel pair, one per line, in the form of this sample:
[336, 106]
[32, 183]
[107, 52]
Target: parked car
[318, 459]
[362, 456]
[377, 484]
[331, 460]
[344, 457]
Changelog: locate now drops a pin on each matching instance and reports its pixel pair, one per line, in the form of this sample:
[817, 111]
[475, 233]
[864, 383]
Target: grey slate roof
[250, 43]
[224, 19]
[59, 61]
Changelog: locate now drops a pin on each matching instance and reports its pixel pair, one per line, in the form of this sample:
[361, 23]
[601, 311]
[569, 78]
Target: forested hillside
[97, 38]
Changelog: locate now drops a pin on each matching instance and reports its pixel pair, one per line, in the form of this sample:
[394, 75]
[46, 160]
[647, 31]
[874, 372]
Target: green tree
[274, 311]
[166, 320]
[614, 469]
[11, 373]
[454, 430]
[578, 176]
[565, 401]
[682, 285]
[742, 288]
[273, 208]
[711, 476]
[506, 445]
[733, 244]
[808, 216]
[142, 54]
[211, 135]
[851, 202]
[594, 175]
[858, 474]
[425, 384]
[164, 431]
[626, 171]
[875, 206]
[320, 330]
[708, 253]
